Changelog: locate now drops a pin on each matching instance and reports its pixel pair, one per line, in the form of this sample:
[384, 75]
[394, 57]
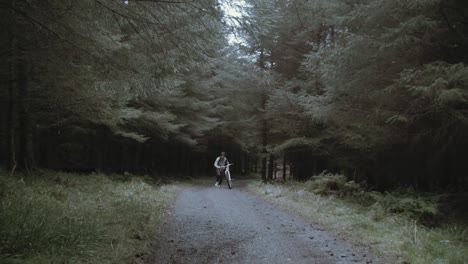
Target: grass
[395, 235]
[55, 217]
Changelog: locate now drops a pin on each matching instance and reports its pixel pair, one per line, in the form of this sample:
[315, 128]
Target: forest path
[217, 225]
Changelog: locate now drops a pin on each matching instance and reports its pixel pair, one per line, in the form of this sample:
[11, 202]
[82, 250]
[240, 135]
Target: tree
[342, 86]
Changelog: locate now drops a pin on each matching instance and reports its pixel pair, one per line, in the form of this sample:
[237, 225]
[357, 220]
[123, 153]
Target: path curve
[218, 225]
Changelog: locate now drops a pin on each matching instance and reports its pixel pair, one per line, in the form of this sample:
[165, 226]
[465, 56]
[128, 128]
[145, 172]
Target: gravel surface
[217, 225]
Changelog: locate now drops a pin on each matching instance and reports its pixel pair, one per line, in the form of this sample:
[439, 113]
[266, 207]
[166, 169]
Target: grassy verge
[390, 223]
[68, 218]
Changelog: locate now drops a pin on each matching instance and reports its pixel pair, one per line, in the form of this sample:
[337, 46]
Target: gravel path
[218, 225]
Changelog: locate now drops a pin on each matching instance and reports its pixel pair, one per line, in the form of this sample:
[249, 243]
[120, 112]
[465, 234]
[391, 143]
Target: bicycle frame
[227, 174]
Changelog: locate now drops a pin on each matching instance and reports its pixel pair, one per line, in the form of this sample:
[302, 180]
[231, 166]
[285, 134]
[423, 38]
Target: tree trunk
[256, 164]
[270, 167]
[124, 158]
[246, 163]
[190, 165]
[11, 115]
[261, 62]
[275, 169]
[284, 166]
[136, 158]
[291, 170]
[26, 157]
[264, 165]
[264, 151]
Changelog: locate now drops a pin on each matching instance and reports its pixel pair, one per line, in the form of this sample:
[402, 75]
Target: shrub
[336, 184]
[422, 208]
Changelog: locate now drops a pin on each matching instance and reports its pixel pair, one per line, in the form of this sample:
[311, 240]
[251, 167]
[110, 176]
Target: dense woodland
[374, 89]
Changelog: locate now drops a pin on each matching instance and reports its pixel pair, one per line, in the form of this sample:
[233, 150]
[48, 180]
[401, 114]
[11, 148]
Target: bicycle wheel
[228, 179]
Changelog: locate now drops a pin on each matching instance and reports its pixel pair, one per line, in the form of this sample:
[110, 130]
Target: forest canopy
[377, 90]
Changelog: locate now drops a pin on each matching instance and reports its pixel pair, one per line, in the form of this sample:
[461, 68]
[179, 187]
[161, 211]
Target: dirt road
[218, 225]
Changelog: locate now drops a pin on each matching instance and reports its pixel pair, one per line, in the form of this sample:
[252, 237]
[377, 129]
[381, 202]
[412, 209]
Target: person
[220, 164]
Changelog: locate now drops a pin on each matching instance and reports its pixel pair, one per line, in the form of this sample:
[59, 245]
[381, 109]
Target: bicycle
[227, 173]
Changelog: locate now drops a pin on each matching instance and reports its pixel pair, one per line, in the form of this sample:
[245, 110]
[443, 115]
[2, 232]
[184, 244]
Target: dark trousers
[220, 173]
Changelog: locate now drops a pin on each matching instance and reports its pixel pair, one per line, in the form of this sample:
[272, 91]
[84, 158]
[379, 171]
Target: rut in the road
[217, 225]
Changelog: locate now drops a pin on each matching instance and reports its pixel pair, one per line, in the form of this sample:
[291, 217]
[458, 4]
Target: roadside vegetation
[54, 217]
[403, 224]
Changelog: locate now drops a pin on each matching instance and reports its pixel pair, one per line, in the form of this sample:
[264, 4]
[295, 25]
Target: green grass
[397, 237]
[69, 218]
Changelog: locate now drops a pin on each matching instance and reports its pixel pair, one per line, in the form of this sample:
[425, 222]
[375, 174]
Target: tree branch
[298, 17]
[42, 25]
[124, 15]
[160, 1]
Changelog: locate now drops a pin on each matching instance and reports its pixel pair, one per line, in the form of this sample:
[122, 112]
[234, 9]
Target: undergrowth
[404, 225]
[424, 208]
[53, 217]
